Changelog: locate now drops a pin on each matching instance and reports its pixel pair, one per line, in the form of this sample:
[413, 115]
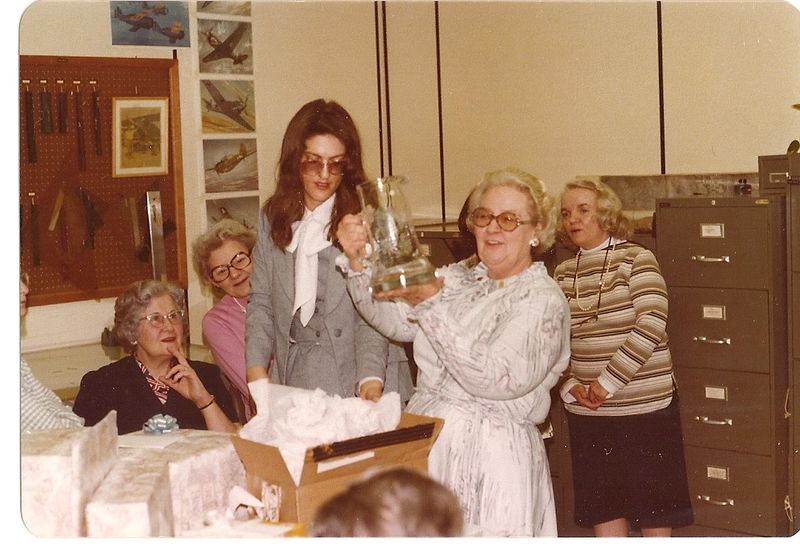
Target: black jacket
[121, 386]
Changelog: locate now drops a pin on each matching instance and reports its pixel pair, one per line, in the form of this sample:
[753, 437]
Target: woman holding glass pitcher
[299, 312]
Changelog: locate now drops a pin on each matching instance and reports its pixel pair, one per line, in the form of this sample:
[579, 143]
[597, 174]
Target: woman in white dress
[491, 338]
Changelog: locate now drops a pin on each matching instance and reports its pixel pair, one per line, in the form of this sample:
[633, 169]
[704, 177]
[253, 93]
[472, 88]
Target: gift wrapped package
[60, 471]
[164, 485]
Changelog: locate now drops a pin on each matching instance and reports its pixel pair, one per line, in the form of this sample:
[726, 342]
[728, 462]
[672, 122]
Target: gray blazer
[358, 349]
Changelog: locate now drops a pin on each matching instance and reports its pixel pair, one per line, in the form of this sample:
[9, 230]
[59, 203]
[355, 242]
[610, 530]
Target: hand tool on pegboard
[98, 141]
[79, 125]
[62, 107]
[46, 108]
[30, 135]
[34, 222]
[92, 216]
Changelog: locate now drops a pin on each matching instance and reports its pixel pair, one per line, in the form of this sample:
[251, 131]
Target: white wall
[731, 75]
[559, 89]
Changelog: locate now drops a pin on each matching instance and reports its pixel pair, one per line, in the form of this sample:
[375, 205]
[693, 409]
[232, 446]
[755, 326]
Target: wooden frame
[140, 132]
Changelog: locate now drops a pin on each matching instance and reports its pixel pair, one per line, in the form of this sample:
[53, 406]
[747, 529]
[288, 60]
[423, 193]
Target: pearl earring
[534, 242]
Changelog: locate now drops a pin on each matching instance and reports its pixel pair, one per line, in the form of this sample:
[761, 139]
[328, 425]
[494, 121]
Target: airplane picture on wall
[225, 46]
[228, 106]
[230, 165]
[226, 8]
[242, 209]
[150, 24]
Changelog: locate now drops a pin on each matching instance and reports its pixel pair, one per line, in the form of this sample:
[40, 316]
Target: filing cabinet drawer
[725, 329]
[732, 491]
[714, 246]
[725, 410]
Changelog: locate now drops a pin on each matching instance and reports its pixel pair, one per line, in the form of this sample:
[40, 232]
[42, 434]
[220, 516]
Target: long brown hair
[285, 206]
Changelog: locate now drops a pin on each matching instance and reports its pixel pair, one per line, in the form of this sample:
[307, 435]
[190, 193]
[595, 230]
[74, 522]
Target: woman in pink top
[221, 258]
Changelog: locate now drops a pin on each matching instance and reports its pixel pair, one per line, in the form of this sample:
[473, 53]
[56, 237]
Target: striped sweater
[622, 343]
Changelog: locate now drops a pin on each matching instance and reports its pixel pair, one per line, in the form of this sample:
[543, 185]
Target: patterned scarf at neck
[160, 389]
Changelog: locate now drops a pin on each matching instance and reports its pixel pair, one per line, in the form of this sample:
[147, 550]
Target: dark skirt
[630, 467]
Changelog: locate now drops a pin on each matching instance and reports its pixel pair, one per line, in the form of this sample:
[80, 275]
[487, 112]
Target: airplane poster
[150, 24]
[230, 165]
[228, 106]
[225, 46]
[224, 8]
[242, 209]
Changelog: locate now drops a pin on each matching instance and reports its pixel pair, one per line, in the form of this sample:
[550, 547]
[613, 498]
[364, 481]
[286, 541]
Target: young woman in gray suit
[299, 312]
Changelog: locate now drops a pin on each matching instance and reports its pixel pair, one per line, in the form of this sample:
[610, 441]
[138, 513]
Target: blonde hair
[213, 238]
[541, 208]
[609, 210]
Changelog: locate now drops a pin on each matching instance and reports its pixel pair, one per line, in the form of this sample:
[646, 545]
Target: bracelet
[209, 403]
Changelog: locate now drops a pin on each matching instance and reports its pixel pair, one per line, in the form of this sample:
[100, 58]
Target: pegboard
[66, 183]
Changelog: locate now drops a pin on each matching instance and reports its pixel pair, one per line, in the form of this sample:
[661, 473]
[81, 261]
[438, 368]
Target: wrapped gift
[164, 485]
[60, 471]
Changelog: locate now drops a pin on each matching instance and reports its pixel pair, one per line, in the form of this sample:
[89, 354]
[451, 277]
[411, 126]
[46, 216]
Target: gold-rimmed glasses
[313, 166]
[506, 220]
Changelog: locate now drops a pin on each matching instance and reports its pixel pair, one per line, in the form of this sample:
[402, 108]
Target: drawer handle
[709, 421]
[706, 498]
[704, 259]
[704, 339]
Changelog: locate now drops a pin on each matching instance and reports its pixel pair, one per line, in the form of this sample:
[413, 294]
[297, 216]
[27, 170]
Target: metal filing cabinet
[724, 262]
[780, 175]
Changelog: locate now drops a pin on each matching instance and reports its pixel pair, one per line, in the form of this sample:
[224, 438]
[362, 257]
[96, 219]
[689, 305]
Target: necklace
[601, 285]
[242, 307]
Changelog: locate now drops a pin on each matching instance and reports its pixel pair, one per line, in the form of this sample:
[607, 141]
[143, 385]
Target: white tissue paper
[295, 420]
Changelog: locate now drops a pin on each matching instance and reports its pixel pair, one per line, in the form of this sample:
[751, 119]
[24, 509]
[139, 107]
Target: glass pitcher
[394, 253]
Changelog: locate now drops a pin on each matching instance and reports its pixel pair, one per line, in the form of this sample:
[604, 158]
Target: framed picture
[150, 24]
[140, 132]
[230, 165]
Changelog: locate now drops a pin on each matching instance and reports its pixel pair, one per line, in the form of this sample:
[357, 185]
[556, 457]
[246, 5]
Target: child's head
[397, 502]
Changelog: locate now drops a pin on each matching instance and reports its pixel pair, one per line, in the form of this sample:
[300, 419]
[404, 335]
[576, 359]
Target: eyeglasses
[222, 272]
[506, 220]
[157, 320]
[313, 167]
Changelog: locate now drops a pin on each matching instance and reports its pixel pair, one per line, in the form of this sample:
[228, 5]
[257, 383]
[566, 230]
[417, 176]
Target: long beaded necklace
[601, 286]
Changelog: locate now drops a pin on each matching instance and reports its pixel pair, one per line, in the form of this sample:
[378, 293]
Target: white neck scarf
[308, 238]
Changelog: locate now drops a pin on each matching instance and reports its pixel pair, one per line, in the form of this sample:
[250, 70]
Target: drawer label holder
[716, 472]
[714, 312]
[712, 230]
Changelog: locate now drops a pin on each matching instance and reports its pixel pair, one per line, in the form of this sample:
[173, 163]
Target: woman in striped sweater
[619, 392]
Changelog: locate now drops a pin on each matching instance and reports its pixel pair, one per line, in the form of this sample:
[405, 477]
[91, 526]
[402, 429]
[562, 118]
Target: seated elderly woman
[221, 258]
[491, 338]
[396, 502]
[156, 378]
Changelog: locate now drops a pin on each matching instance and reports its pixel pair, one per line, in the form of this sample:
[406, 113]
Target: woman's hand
[414, 295]
[352, 235]
[183, 379]
[586, 397]
[597, 393]
[371, 390]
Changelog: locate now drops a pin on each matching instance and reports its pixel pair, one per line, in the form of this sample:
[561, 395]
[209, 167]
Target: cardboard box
[329, 469]
[60, 471]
